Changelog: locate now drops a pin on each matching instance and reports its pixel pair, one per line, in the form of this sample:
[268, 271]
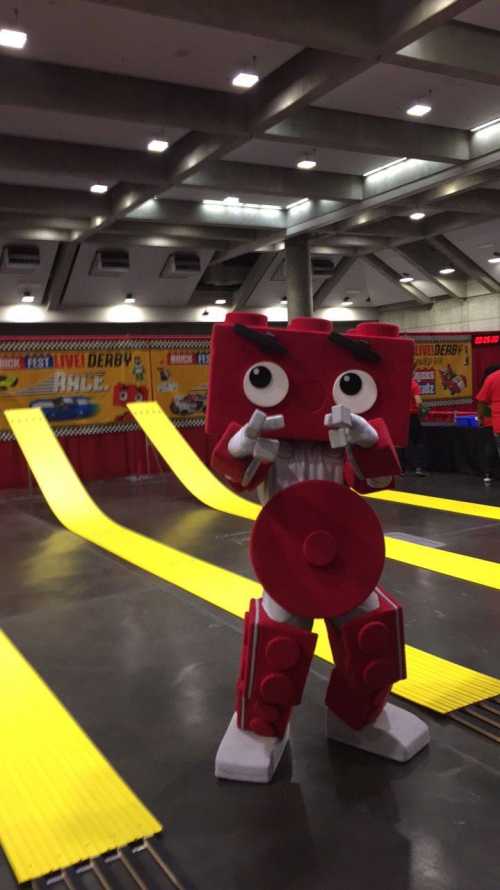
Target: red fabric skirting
[103, 456]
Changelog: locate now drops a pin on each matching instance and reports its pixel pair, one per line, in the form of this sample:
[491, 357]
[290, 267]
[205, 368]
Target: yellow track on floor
[465, 508]
[432, 682]
[201, 482]
[61, 801]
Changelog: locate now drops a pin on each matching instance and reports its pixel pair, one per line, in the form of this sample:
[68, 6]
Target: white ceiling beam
[325, 289]
[63, 202]
[340, 26]
[182, 159]
[457, 50]
[128, 227]
[429, 261]
[165, 211]
[405, 21]
[235, 176]
[463, 262]
[60, 274]
[394, 278]
[427, 190]
[27, 83]
[109, 238]
[304, 78]
[372, 135]
[260, 270]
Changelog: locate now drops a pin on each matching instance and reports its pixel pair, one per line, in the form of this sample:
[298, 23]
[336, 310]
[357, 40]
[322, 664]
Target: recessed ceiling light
[98, 189]
[157, 145]
[284, 301]
[417, 215]
[307, 163]
[129, 299]
[448, 270]
[347, 301]
[13, 39]
[220, 302]
[245, 80]
[406, 279]
[27, 298]
[419, 109]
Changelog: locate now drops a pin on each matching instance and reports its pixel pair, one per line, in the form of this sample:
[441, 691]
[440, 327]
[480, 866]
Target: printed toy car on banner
[443, 368]
[83, 386]
[180, 380]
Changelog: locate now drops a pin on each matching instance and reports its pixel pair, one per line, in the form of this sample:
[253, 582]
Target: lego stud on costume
[337, 407]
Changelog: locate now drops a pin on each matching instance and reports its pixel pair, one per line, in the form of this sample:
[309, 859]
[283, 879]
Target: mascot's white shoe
[244, 756]
[396, 734]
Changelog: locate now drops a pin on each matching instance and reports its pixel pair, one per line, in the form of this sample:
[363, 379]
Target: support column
[298, 274]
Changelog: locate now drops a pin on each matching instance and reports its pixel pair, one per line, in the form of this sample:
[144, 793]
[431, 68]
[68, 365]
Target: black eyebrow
[266, 342]
[359, 348]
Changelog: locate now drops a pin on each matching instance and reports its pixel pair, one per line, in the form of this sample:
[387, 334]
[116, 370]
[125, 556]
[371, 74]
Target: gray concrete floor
[149, 672]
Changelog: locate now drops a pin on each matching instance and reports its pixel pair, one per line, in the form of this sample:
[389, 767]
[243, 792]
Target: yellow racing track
[432, 681]
[61, 801]
[198, 479]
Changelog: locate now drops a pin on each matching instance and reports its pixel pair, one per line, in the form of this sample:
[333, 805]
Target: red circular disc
[318, 549]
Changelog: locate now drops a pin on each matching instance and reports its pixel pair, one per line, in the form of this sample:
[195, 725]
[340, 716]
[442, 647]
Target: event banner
[180, 380]
[83, 386]
[443, 368]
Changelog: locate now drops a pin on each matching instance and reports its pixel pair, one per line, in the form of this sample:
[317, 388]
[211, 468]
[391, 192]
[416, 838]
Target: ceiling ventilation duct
[321, 267]
[181, 265]
[16, 257]
[110, 262]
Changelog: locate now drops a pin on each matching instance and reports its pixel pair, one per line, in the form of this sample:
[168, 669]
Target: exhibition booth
[83, 385]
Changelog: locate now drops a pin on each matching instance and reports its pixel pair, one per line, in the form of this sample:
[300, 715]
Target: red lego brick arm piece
[373, 469]
[232, 469]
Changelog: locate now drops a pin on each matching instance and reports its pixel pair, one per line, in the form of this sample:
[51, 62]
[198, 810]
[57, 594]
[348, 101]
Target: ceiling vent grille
[181, 265]
[16, 257]
[322, 266]
[110, 262]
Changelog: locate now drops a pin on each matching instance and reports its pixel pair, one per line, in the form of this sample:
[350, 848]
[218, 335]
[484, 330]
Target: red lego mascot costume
[306, 415]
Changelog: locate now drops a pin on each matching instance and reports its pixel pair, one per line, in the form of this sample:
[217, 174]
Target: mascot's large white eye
[265, 384]
[356, 390]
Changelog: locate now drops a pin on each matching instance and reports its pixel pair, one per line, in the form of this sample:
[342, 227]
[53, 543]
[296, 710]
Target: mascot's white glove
[249, 441]
[346, 428]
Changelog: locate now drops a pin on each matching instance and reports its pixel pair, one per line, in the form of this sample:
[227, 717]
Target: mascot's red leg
[275, 662]
[368, 649]
[274, 665]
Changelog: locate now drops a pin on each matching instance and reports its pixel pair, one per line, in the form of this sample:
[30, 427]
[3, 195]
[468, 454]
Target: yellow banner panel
[76, 387]
[443, 368]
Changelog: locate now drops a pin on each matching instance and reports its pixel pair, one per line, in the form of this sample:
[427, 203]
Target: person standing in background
[488, 409]
[413, 453]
